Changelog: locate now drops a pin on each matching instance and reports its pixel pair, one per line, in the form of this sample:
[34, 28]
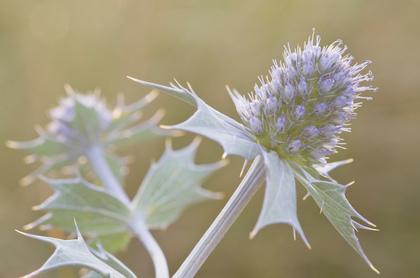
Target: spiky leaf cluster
[83, 120]
[167, 190]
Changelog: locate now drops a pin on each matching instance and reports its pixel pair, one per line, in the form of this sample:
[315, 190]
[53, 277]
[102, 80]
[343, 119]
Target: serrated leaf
[324, 169]
[231, 135]
[44, 145]
[143, 132]
[112, 261]
[330, 197]
[173, 91]
[124, 115]
[280, 195]
[87, 121]
[51, 152]
[76, 253]
[50, 165]
[91, 123]
[96, 211]
[206, 121]
[172, 184]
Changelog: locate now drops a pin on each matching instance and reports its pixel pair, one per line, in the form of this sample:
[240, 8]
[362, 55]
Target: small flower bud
[340, 101]
[289, 92]
[276, 87]
[328, 130]
[303, 88]
[310, 131]
[294, 146]
[326, 86]
[320, 109]
[272, 104]
[340, 118]
[299, 112]
[256, 125]
[281, 124]
[308, 69]
[331, 144]
[256, 108]
[348, 92]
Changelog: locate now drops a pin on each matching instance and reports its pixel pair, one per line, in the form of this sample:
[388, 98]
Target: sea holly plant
[291, 123]
[83, 126]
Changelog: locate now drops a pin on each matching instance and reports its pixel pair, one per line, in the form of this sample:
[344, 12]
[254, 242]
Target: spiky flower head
[82, 121]
[291, 124]
[306, 102]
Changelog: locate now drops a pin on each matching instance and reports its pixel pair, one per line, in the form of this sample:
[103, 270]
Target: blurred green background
[96, 43]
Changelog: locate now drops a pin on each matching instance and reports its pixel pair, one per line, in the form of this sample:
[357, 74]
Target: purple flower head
[79, 120]
[83, 121]
[305, 102]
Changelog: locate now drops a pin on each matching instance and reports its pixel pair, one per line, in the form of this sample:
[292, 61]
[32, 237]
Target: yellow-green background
[96, 43]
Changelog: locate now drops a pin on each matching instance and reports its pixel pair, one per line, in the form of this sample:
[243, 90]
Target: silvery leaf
[171, 185]
[75, 252]
[330, 197]
[280, 195]
[206, 121]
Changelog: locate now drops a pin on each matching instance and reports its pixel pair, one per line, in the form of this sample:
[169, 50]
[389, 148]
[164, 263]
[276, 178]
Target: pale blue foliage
[95, 210]
[76, 253]
[83, 120]
[233, 136]
[330, 197]
[111, 261]
[175, 91]
[170, 186]
[167, 190]
[280, 195]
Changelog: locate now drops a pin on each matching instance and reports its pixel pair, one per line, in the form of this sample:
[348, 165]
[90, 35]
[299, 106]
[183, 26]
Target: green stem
[240, 198]
[97, 159]
[139, 227]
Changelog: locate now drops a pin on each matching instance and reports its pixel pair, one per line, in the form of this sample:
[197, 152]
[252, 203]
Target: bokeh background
[89, 44]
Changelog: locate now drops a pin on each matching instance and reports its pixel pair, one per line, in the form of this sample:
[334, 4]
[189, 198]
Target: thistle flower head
[306, 102]
[82, 121]
[292, 123]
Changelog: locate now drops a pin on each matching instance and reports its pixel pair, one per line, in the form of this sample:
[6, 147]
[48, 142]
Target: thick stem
[143, 234]
[96, 157]
[243, 194]
[137, 224]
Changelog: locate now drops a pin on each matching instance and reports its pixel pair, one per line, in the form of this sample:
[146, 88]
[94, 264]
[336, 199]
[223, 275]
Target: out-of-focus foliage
[171, 185]
[88, 43]
[76, 253]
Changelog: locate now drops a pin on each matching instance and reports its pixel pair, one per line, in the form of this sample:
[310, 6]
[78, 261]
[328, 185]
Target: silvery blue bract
[77, 253]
